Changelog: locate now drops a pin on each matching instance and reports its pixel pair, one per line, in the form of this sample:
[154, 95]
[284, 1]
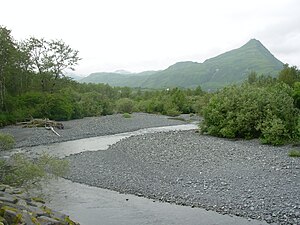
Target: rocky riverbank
[234, 177]
[91, 127]
[238, 177]
[17, 208]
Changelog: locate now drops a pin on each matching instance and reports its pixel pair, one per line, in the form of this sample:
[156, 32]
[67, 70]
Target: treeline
[33, 85]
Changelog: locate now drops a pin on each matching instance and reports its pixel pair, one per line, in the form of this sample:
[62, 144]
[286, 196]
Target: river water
[94, 206]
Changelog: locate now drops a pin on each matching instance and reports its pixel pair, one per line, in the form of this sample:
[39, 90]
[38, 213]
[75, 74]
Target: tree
[296, 94]
[60, 57]
[289, 75]
[50, 59]
[8, 52]
[252, 77]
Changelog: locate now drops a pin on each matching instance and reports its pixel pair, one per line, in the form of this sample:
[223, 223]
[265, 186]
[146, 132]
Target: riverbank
[17, 208]
[241, 178]
[91, 127]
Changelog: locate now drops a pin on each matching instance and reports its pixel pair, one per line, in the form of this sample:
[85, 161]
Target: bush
[126, 115]
[294, 153]
[57, 107]
[296, 94]
[250, 111]
[7, 141]
[170, 109]
[21, 171]
[125, 105]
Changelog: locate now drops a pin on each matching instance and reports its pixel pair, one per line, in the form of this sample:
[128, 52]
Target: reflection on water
[93, 206]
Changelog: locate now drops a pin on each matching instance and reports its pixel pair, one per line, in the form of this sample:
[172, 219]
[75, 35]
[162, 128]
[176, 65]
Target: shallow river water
[95, 206]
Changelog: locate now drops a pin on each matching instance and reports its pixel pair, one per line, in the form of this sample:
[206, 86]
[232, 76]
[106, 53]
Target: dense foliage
[33, 85]
[263, 108]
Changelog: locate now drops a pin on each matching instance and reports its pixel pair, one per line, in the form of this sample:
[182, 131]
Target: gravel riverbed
[235, 177]
[90, 127]
[241, 178]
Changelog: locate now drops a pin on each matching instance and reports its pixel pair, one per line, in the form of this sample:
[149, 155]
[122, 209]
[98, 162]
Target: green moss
[2, 220]
[46, 210]
[35, 221]
[4, 208]
[69, 221]
[37, 199]
[18, 218]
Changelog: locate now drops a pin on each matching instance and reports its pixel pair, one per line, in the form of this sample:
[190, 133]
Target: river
[92, 206]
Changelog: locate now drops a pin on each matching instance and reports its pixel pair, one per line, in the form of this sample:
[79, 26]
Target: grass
[294, 153]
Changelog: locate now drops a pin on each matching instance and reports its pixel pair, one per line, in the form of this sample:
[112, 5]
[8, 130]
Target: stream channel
[94, 206]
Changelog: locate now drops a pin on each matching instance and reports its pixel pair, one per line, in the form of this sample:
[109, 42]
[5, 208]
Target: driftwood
[48, 124]
[42, 123]
[52, 129]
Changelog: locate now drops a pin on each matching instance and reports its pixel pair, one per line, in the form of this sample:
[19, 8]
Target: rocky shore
[17, 208]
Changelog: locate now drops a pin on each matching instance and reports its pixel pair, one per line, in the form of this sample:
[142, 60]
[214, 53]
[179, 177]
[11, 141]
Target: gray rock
[236, 177]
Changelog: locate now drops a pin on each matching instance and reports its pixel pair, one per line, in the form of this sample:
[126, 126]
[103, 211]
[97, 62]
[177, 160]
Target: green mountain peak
[227, 68]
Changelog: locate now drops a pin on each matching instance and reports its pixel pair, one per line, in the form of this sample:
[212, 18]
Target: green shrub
[126, 115]
[294, 153]
[171, 109]
[273, 131]
[22, 171]
[125, 105]
[296, 94]
[7, 141]
[250, 111]
[57, 107]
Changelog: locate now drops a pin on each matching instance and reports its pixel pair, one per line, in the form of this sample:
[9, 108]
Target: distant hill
[74, 76]
[227, 68]
[118, 79]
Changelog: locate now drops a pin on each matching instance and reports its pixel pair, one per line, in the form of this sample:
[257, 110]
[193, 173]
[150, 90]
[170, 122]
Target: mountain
[74, 76]
[228, 68]
[122, 72]
[118, 79]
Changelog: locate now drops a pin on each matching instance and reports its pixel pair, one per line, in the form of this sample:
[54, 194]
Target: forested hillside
[231, 67]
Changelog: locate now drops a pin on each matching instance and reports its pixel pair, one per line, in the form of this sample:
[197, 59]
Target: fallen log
[42, 123]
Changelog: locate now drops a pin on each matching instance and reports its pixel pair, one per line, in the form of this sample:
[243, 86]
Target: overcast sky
[138, 35]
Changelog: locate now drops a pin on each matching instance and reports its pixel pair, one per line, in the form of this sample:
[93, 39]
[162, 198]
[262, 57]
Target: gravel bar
[91, 127]
[235, 177]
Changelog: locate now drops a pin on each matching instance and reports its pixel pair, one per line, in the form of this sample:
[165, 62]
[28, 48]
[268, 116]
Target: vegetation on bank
[33, 85]
[21, 171]
[264, 108]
